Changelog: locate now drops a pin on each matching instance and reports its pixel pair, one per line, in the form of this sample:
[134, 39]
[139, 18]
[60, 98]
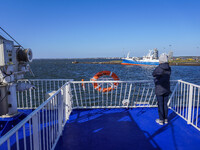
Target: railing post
[60, 111]
[67, 101]
[36, 136]
[30, 92]
[190, 104]
[129, 95]
[172, 95]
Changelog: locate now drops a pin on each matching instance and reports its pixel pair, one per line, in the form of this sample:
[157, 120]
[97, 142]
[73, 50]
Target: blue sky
[103, 28]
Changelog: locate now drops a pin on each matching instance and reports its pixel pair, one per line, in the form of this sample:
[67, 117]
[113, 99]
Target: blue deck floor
[119, 129]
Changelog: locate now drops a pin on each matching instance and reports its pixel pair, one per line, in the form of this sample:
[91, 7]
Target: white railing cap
[188, 83]
[118, 81]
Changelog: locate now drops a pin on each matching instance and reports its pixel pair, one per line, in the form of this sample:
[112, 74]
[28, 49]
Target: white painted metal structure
[43, 127]
[14, 63]
[32, 98]
[185, 102]
[128, 94]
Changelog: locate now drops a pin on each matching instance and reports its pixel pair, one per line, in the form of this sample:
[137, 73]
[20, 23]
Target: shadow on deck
[103, 129]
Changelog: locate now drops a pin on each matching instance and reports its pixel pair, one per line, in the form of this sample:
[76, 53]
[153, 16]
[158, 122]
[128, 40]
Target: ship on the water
[150, 59]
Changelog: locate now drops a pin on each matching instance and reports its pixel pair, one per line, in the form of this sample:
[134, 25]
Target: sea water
[64, 69]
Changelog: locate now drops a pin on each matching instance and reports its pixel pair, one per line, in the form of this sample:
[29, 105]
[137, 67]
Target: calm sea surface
[64, 69]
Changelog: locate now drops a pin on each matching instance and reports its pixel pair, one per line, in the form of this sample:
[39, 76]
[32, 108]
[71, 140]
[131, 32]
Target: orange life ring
[100, 74]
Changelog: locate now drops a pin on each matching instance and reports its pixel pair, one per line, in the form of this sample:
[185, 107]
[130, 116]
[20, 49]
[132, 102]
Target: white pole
[60, 112]
[67, 101]
[36, 137]
[190, 105]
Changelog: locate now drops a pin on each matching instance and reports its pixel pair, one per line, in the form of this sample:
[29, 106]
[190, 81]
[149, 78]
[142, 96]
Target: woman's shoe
[160, 122]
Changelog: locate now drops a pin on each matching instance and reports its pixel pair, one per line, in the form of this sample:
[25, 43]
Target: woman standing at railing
[162, 87]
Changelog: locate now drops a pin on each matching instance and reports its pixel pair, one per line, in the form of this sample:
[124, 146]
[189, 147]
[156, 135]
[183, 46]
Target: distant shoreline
[117, 62]
[116, 58]
[184, 64]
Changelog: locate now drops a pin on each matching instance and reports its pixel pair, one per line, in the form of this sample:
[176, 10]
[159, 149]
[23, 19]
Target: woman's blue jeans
[162, 106]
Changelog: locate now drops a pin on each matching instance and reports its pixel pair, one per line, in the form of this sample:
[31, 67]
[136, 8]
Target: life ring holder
[98, 87]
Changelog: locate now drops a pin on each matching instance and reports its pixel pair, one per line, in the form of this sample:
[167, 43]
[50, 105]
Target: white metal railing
[185, 101]
[42, 128]
[32, 98]
[124, 94]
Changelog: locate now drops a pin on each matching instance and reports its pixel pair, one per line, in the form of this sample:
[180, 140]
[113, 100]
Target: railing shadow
[172, 117]
[103, 129]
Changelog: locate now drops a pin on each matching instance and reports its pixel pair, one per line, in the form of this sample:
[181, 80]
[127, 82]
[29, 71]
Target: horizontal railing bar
[198, 86]
[99, 107]
[117, 81]
[46, 80]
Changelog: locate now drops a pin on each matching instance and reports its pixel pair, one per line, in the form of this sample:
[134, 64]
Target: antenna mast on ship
[155, 54]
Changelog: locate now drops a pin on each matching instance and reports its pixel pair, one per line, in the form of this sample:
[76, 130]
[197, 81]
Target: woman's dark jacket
[162, 79]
